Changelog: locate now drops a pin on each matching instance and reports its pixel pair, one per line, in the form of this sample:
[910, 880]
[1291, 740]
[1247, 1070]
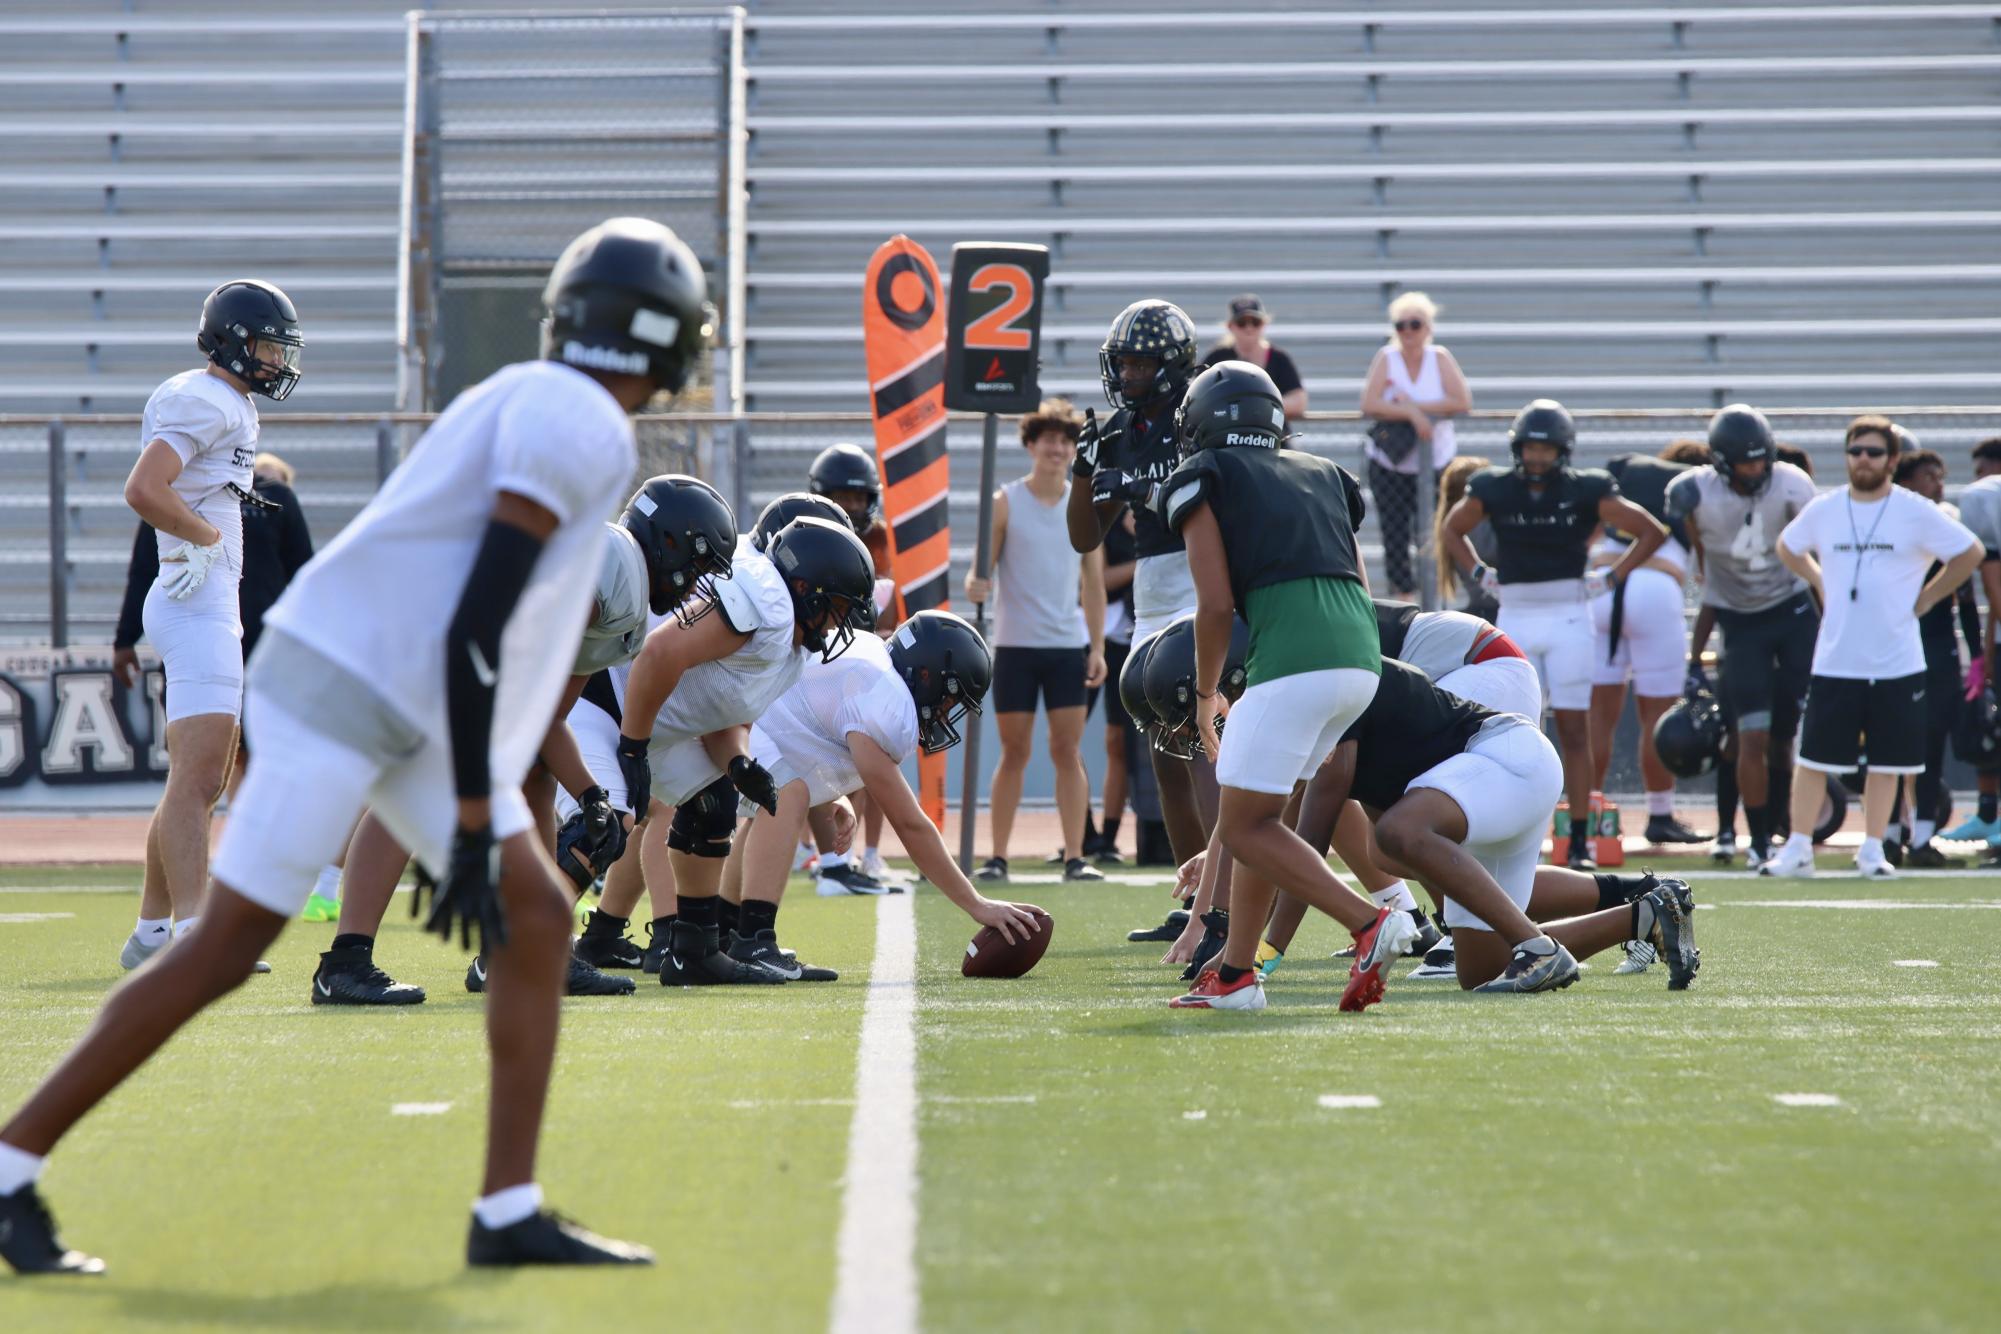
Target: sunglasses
[1247, 322]
[1408, 326]
[1867, 452]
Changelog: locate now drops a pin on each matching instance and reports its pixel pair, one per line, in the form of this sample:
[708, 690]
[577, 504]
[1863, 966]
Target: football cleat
[320, 909]
[1580, 855]
[137, 951]
[1375, 945]
[694, 961]
[1215, 933]
[993, 871]
[1528, 971]
[1640, 956]
[603, 949]
[28, 1239]
[1079, 869]
[547, 1238]
[349, 977]
[1786, 862]
[1673, 936]
[1974, 828]
[1440, 961]
[1211, 992]
[1880, 867]
[873, 865]
[1724, 849]
[1667, 829]
[762, 951]
[1269, 957]
[1169, 930]
[586, 979]
[656, 947]
[839, 881]
[1927, 857]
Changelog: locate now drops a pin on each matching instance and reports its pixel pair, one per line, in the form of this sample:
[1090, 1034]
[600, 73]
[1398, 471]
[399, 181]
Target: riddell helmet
[826, 569]
[1150, 328]
[244, 310]
[1689, 737]
[688, 535]
[1170, 683]
[947, 667]
[1233, 403]
[628, 296]
[1740, 434]
[1544, 421]
[793, 505]
[1132, 687]
[846, 467]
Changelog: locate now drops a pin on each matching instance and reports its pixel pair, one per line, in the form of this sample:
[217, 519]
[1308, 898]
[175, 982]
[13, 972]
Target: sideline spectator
[1045, 644]
[1413, 380]
[1451, 486]
[1246, 341]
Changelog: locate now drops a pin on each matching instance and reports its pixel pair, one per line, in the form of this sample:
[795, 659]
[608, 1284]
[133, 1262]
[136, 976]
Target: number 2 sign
[994, 327]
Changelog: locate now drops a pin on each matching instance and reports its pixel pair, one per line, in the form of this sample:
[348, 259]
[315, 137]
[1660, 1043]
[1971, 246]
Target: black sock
[1726, 796]
[657, 931]
[1090, 829]
[1990, 805]
[756, 916]
[1759, 820]
[354, 941]
[1230, 974]
[701, 912]
[726, 915]
[1779, 788]
[602, 923]
[1108, 832]
[1616, 891]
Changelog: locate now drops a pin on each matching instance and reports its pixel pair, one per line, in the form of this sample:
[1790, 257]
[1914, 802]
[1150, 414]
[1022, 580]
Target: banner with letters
[73, 735]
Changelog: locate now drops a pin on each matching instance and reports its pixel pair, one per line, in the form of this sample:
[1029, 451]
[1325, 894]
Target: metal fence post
[385, 450]
[1427, 504]
[58, 534]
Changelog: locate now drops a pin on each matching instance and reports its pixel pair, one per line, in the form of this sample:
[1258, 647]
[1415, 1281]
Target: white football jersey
[379, 598]
[213, 429]
[739, 688]
[618, 622]
[808, 728]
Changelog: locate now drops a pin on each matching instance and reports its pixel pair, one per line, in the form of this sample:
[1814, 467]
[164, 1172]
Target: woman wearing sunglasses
[1416, 382]
[1245, 341]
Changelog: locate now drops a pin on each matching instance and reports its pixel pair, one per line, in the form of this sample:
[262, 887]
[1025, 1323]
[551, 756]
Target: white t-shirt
[619, 607]
[1873, 558]
[739, 688]
[380, 597]
[213, 429]
[808, 728]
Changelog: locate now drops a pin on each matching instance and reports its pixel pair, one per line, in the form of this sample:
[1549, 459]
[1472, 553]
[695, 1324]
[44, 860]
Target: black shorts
[1021, 674]
[1766, 655]
[1115, 706]
[1850, 723]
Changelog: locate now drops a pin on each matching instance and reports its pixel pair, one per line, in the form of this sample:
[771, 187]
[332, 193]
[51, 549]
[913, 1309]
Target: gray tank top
[1037, 580]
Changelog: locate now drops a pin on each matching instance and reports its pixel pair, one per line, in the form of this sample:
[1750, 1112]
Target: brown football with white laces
[989, 954]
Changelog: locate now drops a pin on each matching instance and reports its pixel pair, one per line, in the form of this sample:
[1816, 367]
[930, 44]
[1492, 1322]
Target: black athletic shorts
[1115, 706]
[1021, 674]
[1850, 723]
[1765, 655]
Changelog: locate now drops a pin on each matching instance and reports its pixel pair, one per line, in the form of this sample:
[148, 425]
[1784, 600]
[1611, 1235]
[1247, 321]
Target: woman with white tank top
[1412, 379]
[1048, 635]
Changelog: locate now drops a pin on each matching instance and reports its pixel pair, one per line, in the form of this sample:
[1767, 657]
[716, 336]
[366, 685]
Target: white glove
[1596, 582]
[194, 562]
[1483, 575]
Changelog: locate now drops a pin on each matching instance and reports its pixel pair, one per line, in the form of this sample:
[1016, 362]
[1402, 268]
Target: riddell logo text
[1235, 439]
[605, 358]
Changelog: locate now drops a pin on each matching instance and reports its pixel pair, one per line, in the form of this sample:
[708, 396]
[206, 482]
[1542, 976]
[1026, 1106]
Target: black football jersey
[1393, 623]
[1542, 535]
[1145, 448]
[1410, 726]
[1643, 479]
[1284, 514]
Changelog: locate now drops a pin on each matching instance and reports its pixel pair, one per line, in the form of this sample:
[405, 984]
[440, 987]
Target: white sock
[1661, 803]
[1396, 896]
[185, 925]
[1922, 831]
[18, 1168]
[1539, 945]
[504, 1208]
[153, 930]
[328, 885]
[870, 854]
[1870, 851]
[1802, 843]
[832, 861]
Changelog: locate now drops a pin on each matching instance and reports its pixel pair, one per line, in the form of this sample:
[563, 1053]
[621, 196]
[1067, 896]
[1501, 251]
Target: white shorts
[1556, 637]
[1505, 685]
[597, 741]
[824, 782]
[304, 790]
[1506, 782]
[200, 642]
[680, 769]
[1653, 644]
[1282, 731]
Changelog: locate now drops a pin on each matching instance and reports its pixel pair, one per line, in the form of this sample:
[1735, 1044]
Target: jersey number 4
[1749, 546]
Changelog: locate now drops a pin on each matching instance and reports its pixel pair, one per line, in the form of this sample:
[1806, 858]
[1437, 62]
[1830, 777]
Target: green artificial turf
[1608, 1158]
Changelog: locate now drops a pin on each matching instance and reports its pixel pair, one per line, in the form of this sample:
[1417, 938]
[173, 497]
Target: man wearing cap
[1246, 341]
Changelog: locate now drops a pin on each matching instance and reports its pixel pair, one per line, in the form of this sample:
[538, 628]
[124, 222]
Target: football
[988, 954]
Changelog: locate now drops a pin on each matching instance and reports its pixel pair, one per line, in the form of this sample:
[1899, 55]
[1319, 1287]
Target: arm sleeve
[500, 572]
[188, 424]
[140, 572]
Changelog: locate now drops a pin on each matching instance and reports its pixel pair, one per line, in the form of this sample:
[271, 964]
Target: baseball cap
[1248, 305]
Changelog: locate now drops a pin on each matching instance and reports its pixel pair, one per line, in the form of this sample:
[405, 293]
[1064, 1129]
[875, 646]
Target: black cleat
[656, 948]
[1666, 829]
[547, 1238]
[1079, 869]
[1580, 855]
[605, 950]
[1215, 932]
[349, 977]
[28, 1238]
[1926, 857]
[1673, 936]
[586, 980]
[476, 975]
[1169, 930]
[762, 950]
[694, 961]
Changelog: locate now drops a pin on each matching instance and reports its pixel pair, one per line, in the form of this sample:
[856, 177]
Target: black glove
[1118, 485]
[1086, 461]
[637, 772]
[1697, 679]
[469, 895]
[753, 780]
[604, 832]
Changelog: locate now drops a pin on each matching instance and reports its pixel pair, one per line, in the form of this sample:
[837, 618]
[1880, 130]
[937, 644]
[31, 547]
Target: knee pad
[705, 822]
[569, 840]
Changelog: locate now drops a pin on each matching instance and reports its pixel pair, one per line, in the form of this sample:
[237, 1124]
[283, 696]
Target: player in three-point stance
[428, 706]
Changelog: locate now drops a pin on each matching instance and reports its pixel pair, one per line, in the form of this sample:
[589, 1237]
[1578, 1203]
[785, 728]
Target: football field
[1807, 1139]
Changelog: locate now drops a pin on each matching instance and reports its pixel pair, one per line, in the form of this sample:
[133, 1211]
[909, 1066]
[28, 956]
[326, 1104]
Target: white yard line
[419, 1108]
[1806, 1100]
[12, 917]
[875, 1277]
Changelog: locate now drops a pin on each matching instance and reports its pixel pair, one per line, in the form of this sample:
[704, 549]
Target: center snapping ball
[989, 954]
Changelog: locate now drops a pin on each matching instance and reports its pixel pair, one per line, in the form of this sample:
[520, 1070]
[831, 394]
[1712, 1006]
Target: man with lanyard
[1543, 512]
[1145, 363]
[1864, 551]
[1733, 513]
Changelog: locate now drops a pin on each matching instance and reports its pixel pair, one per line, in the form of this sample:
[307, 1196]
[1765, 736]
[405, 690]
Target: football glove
[469, 895]
[636, 770]
[1086, 461]
[753, 781]
[604, 832]
[192, 566]
[1484, 576]
[1116, 485]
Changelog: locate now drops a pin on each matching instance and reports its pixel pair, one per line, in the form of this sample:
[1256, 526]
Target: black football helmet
[1689, 737]
[846, 467]
[1170, 684]
[1740, 434]
[792, 505]
[688, 535]
[1976, 732]
[1543, 421]
[1150, 328]
[1132, 687]
[628, 296]
[244, 310]
[1233, 403]
[947, 667]
[827, 570]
